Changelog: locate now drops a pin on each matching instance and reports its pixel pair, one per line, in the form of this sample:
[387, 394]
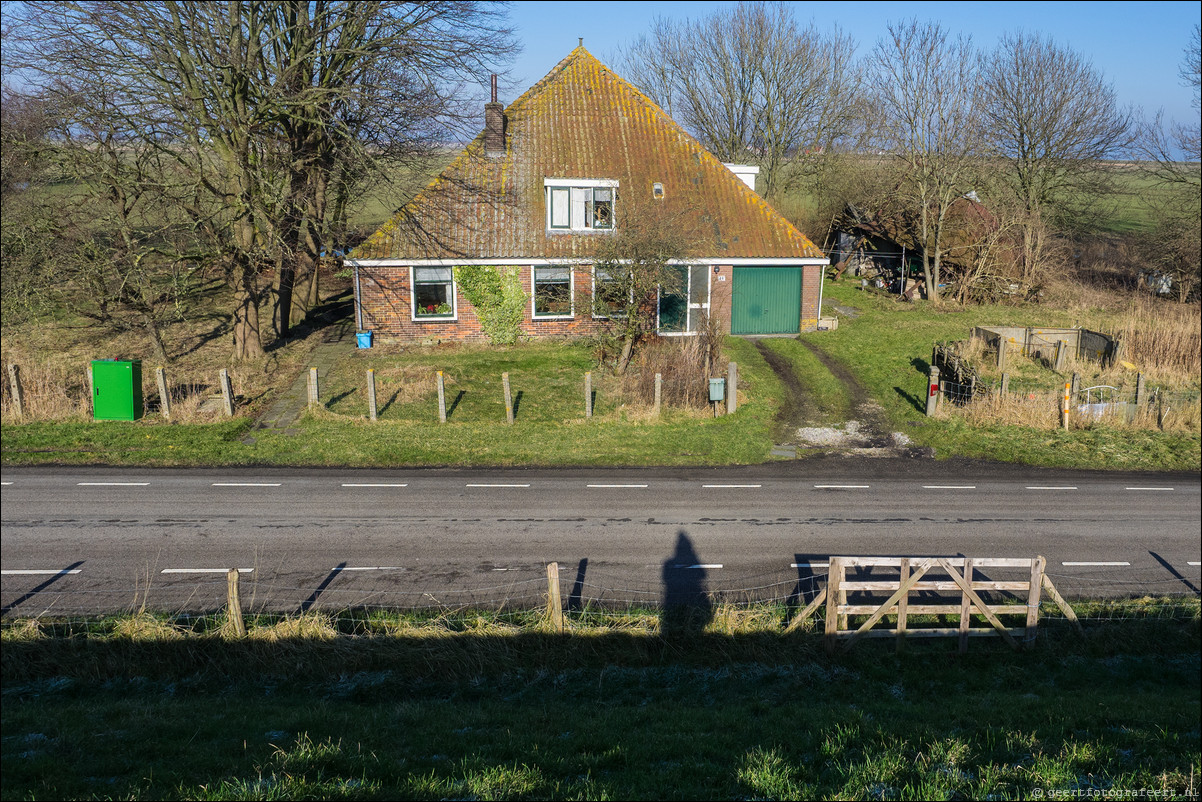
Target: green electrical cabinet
[116, 389]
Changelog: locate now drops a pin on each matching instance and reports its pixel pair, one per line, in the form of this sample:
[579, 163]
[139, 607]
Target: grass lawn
[888, 348]
[464, 706]
[550, 426]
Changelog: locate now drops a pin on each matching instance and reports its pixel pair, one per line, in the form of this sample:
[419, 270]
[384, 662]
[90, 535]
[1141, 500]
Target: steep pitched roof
[582, 121]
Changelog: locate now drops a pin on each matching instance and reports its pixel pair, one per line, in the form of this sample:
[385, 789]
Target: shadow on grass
[913, 400]
[455, 403]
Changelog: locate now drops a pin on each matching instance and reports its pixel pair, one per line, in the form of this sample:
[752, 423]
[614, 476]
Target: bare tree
[924, 99]
[262, 108]
[752, 84]
[1051, 118]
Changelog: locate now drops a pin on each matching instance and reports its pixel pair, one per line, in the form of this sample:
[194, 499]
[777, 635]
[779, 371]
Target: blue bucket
[364, 338]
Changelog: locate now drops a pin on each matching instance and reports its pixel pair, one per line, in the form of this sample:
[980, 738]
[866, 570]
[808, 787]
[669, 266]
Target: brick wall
[811, 289]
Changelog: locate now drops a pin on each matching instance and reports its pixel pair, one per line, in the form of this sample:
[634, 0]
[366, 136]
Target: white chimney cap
[745, 172]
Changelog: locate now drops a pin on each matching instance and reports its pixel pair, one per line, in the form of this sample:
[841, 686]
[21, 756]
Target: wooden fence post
[659, 391]
[1064, 406]
[314, 389]
[1160, 410]
[1033, 599]
[508, 399]
[14, 383]
[234, 604]
[1076, 388]
[160, 375]
[371, 394]
[442, 400]
[227, 392]
[732, 388]
[902, 605]
[833, 580]
[588, 394]
[554, 600]
[1139, 389]
[1001, 353]
[965, 607]
[933, 391]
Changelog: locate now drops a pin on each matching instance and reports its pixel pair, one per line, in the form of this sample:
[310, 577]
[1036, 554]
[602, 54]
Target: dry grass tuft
[685, 365]
[306, 626]
[25, 629]
[145, 627]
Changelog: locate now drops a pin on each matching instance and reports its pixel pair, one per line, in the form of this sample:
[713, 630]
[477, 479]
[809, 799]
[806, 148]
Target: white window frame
[534, 292]
[618, 316]
[689, 305]
[579, 203]
[416, 318]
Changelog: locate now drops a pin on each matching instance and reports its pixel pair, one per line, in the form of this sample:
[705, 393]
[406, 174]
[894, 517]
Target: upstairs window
[581, 204]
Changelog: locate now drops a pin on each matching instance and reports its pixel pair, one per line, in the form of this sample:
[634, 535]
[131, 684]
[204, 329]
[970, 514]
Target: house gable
[582, 122]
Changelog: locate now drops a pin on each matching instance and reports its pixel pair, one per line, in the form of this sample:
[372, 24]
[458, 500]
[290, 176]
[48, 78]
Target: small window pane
[553, 291]
[559, 208]
[603, 208]
[433, 292]
[580, 198]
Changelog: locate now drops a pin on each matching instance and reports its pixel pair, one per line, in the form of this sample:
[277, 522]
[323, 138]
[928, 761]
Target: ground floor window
[684, 300]
[612, 292]
[553, 292]
[433, 292]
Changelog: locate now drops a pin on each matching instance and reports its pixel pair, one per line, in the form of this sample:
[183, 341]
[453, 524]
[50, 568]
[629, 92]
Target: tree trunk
[156, 337]
[248, 343]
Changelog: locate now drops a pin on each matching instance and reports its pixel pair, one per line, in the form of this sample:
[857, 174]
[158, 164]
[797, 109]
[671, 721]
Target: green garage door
[767, 300]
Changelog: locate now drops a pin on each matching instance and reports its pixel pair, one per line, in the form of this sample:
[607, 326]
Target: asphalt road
[77, 541]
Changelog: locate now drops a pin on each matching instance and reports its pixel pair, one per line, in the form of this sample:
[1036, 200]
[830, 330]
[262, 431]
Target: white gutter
[517, 260]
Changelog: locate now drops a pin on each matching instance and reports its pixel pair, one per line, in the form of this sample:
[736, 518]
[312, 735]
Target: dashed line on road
[370, 568]
[203, 570]
[1195, 562]
[1052, 487]
[6, 484]
[949, 487]
[1151, 488]
[841, 487]
[809, 565]
[497, 484]
[39, 571]
[617, 486]
[683, 567]
[728, 487]
[374, 484]
[247, 484]
[1094, 563]
[112, 484]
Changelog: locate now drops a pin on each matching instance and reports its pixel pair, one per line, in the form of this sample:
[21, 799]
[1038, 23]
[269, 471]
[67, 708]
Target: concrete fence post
[160, 375]
[659, 391]
[314, 388]
[933, 391]
[588, 394]
[732, 388]
[371, 394]
[508, 399]
[1005, 383]
[1001, 353]
[227, 392]
[442, 399]
[14, 383]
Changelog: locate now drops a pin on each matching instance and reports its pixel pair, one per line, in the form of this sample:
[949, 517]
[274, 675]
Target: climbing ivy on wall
[496, 293]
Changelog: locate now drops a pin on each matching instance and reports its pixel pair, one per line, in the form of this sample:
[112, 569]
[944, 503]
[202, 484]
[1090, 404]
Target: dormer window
[581, 204]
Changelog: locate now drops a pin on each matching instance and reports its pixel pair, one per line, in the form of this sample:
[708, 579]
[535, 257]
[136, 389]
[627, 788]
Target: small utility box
[717, 389]
[116, 389]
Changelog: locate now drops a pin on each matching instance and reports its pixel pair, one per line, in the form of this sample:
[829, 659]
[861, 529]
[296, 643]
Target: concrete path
[287, 408]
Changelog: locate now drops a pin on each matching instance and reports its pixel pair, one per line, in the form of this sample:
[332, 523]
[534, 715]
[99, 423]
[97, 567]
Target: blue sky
[1137, 45]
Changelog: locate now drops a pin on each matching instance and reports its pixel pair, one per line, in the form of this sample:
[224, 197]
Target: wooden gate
[950, 588]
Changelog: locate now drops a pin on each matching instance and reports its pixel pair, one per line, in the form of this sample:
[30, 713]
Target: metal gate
[766, 300]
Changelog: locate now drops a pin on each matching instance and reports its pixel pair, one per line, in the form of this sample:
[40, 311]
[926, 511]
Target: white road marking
[613, 486]
[373, 484]
[809, 565]
[730, 486]
[246, 484]
[498, 485]
[40, 571]
[1038, 487]
[950, 487]
[841, 487]
[700, 565]
[203, 570]
[6, 484]
[1194, 563]
[1150, 488]
[1097, 563]
[112, 484]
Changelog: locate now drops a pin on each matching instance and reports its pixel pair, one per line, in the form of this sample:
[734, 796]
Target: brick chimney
[494, 126]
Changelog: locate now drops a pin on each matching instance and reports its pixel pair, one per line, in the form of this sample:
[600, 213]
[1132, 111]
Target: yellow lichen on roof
[581, 120]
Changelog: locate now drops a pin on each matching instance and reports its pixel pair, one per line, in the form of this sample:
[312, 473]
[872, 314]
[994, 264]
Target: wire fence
[357, 603]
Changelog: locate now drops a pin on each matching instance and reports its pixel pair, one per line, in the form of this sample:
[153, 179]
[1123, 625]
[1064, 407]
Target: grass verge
[469, 706]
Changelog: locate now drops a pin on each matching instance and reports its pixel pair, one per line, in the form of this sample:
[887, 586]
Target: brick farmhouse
[578, 156]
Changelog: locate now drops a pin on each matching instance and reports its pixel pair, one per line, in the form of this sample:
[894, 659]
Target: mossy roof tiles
[582, 121]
